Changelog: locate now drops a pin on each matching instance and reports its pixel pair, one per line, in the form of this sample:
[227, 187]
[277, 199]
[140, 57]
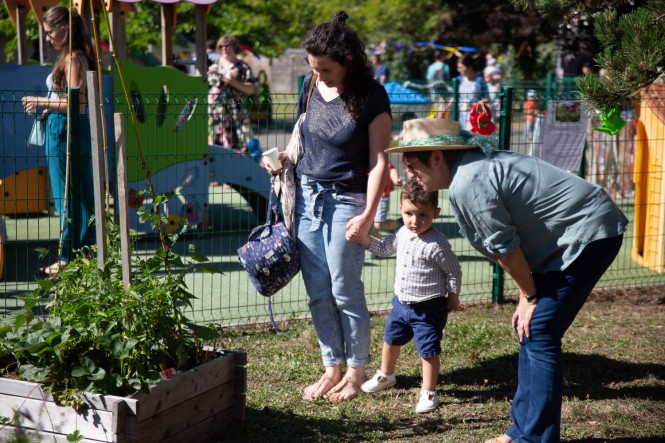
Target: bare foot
[502, 439]
[318, 389]
[349, 387]
[52, 270]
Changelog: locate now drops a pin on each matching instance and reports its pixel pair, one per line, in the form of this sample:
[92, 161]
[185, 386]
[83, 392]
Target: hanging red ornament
[481, 119]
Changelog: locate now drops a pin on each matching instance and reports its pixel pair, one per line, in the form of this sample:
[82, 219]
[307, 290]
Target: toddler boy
[427, 284]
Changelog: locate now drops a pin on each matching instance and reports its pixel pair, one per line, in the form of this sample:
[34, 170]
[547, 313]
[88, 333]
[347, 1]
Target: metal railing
[229, 210]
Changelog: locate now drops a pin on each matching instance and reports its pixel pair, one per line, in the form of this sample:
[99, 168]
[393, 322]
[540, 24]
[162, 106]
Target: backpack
[441, 74]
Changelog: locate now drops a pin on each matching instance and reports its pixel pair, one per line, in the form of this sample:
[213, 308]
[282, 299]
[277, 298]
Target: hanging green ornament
[611, 121]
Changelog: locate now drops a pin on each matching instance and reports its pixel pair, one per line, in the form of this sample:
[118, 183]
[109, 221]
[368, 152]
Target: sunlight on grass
[612, 391]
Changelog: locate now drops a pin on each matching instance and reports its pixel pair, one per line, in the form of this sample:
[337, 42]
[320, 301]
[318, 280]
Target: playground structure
[171, 126]
[649, 224]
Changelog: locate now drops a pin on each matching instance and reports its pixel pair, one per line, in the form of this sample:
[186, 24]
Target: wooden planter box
[194, 405]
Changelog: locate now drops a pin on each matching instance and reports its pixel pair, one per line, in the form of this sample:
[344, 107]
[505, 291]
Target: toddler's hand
[352, 234]
[453, 302]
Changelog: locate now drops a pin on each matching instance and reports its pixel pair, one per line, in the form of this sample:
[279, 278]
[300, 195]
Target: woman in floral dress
[230, 80]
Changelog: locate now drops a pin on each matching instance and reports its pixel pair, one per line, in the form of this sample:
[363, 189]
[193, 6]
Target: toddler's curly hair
[414, 192]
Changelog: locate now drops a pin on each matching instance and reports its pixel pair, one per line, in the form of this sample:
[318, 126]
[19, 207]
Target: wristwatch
[530, 298]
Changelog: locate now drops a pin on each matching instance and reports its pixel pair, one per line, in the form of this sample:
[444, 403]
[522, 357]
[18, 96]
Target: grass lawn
[614, 365]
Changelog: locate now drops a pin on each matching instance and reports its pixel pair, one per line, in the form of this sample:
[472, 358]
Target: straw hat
[431, 134]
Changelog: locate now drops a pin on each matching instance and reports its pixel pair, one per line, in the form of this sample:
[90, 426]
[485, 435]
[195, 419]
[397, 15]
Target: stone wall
[284, 73]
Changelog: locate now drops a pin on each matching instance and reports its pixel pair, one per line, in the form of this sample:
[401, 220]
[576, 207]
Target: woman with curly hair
[339, 179]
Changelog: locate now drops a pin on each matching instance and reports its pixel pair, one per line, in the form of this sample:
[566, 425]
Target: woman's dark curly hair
[414, 192]
[339, 42]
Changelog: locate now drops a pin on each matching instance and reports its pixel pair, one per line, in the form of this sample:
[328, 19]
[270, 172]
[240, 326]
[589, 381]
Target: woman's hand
[522, 317]
[281, 157]
[29, 104]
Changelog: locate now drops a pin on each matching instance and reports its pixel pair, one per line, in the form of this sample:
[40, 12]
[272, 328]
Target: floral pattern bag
[270, 255]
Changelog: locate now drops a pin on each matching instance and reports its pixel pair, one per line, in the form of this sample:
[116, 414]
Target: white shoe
[379, 382]
[428, 402]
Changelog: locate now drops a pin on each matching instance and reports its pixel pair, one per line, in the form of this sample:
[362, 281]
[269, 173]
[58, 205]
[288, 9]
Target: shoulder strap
[273, 216]
[315, 77]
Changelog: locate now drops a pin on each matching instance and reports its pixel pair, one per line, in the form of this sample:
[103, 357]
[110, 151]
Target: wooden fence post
[95, 104]
[121, 204]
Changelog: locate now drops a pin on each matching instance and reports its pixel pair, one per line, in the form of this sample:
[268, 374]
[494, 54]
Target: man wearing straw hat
[553, 232]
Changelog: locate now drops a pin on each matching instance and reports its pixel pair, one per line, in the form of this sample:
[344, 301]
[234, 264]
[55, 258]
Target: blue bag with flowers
[270, 255]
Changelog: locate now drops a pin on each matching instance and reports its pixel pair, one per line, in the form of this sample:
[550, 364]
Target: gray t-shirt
[512, 200]
[337, 148]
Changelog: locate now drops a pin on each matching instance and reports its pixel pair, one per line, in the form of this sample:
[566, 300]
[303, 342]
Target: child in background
[530, 114]
[427, 285]
[381, 222]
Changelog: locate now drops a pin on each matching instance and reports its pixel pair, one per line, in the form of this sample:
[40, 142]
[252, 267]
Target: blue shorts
[424, 322]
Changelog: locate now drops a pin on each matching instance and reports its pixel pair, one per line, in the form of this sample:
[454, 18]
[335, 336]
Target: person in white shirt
[428, 277]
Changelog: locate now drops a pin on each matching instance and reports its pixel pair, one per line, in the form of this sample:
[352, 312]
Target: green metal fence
[231, 211]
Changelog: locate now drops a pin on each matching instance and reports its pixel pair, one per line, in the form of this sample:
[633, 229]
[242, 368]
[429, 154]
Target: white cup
[270, 157]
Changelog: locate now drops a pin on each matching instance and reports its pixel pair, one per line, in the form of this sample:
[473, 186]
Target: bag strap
[273, 210]
[272, 317]
[312, 82]
[273, 203]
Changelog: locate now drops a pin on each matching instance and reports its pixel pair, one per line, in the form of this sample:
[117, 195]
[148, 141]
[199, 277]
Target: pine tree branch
[633, 47]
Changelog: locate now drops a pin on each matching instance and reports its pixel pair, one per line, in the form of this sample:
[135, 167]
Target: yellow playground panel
[649, 224]
[25, 192]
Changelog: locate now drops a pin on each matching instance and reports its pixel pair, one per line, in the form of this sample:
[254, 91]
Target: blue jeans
[536, 409]
[331, 269]
[56, 158]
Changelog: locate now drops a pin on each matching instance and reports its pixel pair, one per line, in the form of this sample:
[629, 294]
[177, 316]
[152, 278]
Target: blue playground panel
[172, 125]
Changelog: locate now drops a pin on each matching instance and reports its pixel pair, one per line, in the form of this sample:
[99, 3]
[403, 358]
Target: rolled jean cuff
[358, 363]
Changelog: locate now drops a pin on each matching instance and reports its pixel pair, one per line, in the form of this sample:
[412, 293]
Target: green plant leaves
[98, 335]
[75, 436]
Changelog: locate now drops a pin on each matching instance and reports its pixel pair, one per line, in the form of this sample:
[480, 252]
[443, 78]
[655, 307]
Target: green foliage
[268, 27]
[8, 29]
[406, 65]
[100, 336]
[271, 27]
[75, 436]
[632, 40]
[632, 35]
[633, 55]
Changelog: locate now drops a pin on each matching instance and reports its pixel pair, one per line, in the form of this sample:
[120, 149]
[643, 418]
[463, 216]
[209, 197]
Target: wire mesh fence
[221, 191]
